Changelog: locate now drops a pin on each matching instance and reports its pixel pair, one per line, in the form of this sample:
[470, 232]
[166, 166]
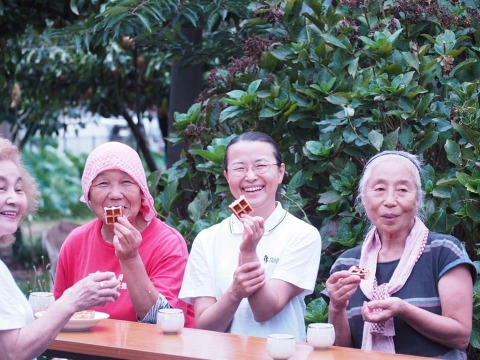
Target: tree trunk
[141, 142]
[185, 86]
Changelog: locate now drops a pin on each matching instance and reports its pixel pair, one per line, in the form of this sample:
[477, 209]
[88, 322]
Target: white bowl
[80, 324]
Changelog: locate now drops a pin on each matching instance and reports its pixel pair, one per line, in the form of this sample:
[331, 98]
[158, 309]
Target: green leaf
[471, 184]
[390, 141]
[167, 196]
[74, 6]
[352, 67]
[473, 211]
[471, 135]
[281, 52]
[214, 154]
[376, 139]
[236, 94]
[332, 40]
[230, 112]
[296, 182]
[316, 311]
[337, 100]
[252, 88]
[454, 154]
[427, 142]
[412, 60]
[198, 207]
[329, 197]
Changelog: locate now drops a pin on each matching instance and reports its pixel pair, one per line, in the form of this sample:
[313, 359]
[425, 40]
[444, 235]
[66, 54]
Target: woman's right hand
[94, 290]
[341, 286]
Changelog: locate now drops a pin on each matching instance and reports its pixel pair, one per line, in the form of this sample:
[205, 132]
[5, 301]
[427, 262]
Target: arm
[127, 240]
[211, 314]
[270, 299]
[341, 286]
[452, 328]
[33, 339]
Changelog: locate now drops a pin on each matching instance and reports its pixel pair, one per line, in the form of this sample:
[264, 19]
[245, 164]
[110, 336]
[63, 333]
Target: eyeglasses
[258, 169]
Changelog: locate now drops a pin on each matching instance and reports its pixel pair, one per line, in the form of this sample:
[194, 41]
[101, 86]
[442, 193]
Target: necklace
[424, 243]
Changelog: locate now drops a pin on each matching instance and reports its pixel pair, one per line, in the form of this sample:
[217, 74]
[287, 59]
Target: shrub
[333, 86]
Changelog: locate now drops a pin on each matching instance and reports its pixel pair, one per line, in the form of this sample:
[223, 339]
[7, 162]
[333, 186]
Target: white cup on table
[320, 335]
[281, 346]
[40, 300]
[170, 321]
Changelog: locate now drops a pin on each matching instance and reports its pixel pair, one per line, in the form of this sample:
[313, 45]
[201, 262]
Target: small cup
[320, 335]
[40, 301]
[281, 346]
[170, 321]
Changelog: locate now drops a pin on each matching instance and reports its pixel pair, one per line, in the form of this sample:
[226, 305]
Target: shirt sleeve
[151, 317]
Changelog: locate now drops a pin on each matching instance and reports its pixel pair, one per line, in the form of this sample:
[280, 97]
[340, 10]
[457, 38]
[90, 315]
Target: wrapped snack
[240, 206]
[112, 213]
[361, 272]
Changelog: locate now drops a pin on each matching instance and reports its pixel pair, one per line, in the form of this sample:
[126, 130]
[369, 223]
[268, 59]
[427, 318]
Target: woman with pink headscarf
[147, 256]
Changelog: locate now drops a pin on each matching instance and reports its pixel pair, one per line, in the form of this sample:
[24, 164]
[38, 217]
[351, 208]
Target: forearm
[33, 339]
[441, 329]
[219, 315]
[140, 288]
[265, 303]
[339, 319]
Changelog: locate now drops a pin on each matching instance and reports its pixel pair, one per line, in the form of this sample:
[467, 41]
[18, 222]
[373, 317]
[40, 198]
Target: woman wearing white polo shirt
[250, 275]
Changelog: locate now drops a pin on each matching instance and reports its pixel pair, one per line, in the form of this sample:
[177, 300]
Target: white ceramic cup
[281, 346]
[170, 321]
[320, 335]
[40, 301]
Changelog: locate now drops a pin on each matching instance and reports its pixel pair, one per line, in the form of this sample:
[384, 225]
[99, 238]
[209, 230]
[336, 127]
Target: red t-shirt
[163, 252]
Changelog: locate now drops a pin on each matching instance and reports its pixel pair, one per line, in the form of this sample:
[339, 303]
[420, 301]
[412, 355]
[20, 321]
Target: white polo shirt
[289, 250]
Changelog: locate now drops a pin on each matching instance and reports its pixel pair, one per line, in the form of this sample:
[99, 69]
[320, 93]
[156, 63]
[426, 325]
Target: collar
[275, 218]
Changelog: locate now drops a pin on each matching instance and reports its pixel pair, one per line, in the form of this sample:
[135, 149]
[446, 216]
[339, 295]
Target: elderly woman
[417, 298]
[147, 255]
[20, 336]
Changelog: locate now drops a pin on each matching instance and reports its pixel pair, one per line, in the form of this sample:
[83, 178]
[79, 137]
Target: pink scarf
[117, 156]
[379, 337]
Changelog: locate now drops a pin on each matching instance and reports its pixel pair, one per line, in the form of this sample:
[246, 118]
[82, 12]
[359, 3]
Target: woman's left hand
[253, 230]
[127, 239]
[379, 311]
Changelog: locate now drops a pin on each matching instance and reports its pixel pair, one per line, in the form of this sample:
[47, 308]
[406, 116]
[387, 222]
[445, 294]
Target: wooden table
[116, 339]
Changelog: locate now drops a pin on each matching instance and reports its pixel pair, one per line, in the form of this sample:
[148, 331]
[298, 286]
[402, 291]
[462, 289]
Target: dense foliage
[335, 85]
[332, 84]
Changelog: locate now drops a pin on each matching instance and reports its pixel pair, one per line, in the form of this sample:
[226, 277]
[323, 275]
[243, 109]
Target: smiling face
[259, 189]
[116, 188]
[391, 197]
[13, 201]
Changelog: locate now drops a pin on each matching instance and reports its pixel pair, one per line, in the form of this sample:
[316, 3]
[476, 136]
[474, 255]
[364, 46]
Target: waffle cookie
[361, 272]
[112, 213]
[240, 206]
[82, 315]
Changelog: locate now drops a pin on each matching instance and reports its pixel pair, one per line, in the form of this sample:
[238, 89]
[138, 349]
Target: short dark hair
[253, 136]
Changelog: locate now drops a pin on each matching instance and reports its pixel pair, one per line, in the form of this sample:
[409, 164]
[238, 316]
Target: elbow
[463, 342]
[264, 316]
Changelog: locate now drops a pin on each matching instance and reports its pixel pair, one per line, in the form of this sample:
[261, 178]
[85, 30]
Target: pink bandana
[117, 156]
[379, 337]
